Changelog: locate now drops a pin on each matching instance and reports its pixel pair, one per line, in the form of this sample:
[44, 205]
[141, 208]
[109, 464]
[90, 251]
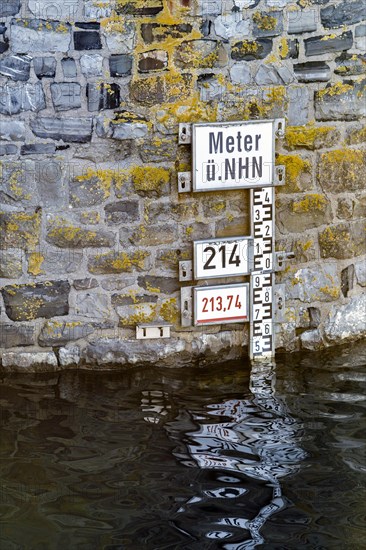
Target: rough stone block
[341, 101]
[128, 130]
[232, 25]
[13, 335]
[135, 7]
[158, 149]
[360, 37]
[247, 50]
[64, 234]
[30, 301]
[69, 67]
[151, 181]
[66, 95]
[312, 71]
[87, 40]
[155, 32]
[311, 137]
[58, 333]
[18, 183]
[312, 284]
[202, 54]
[335, 241]
[118, 262]
[267, 75]
[319, 45]
[69, 356]
[9, 7]
[120, 64]
[121, 42]
[35, 361]
[360, 271]
[76, 130]
[103, 96]
[20, 229]
[44, 67]
[347, 322]
[240, 74]
[85, 284]
[122, 212]
[94, 305]
[15, 98]
[8, 149]
[37, 35]
[17, 67]
[38, 149]
[167, 285]
[11, 264]
[155, 90]
[150, 235]
[345, 13]
[94, 186]
[267, 23]
[345, 208]
[153, 60]
[91, 65]
[12, 130]
[311, 340]
[342, 170]
[303, 213]
[350, 65]
[61, 261]
[302, 21]
[46, 9]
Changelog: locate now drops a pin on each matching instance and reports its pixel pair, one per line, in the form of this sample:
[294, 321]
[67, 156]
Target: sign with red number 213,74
[221, 304]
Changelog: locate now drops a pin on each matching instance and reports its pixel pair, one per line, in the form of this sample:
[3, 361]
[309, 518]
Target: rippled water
[225, 457]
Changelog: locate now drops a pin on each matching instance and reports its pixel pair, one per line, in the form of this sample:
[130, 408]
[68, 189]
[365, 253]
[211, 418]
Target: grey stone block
[44, 67]
[298, 106]
[61, 261]
[15, 98]
[8, 149]
[12, 130]
[267, 75]
[129, 130]
[347, 322]
[122, 212]
[103, 96]
[350, 65]
[360, 270]
[168, 285]
[76, 130]
[69, 356]
[35, 35]
[57, 333]
[344, 13]
[311, 340]
[51, 9]
[13, 335]
[249, 50]
[240, 74]
[9, 7]
[344, 102]
[17, 67]
[311, 284]
[91, 65]
[35, 361]
[66, 95]
[38, 149]
[11, 264]
[312, 71]
[232, 25]
[302, 21]
[267, 23]
[94, 305]
[69, 67]
[85, 284]
[319, 45]
[360, 37]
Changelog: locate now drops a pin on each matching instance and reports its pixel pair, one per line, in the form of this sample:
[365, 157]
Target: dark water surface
[220, 457]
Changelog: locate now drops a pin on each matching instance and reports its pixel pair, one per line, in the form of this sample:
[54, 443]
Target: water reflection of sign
[221, 304]
[232, 155]
[221, 258]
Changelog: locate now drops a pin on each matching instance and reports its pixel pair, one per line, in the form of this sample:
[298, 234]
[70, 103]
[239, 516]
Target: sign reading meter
[233, 155]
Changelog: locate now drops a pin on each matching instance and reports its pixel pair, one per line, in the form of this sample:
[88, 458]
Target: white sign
[222, 257]
[233, 155]
[221, 304]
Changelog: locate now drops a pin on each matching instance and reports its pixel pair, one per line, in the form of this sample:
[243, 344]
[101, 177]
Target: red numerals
[217, 303]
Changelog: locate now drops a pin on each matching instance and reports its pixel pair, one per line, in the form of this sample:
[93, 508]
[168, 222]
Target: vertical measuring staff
[262, 278]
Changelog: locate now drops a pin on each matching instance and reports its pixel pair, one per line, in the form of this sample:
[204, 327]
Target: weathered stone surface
[318, 45]
[345, 13]
[68, 66]
[342, 170]
[64, 234]
[167, 285]
[341, 101]
[29, 301]
[131, 299]
[269, 75]
[128, 130]
[93, 187]
[358, 236]
[69, 356]
[122, 212]
[350, 65]
[345, 208]
[9, 7]
[360, 271]
[163, 212]
[304, 212]
[94, 305]
[85, 284]
[91, 65]
[347, 322]
[44, 9]
[312, 340]
[20, 229]
[240, 74]
[153, 60]
[44, 67]
[201, 54]
[118, 262]
[247, 50]
[66, 95]
[302, 21]
[206, 8]
[360, 37]
[8, 149]
[149, 235]
[13, 335]
[210, 88]
[103, 96]
[312, 71]
[155, 32]
[12, 130]
[15, 98]
[232, 25]
[158, 149]
[18, 187]
[120, 64]
[11, 264]
[298, 105]
[37, 35]
[17, 67]
[311, 137]
[320, 283]
[38, 149]
[117, 283]
[267, 23]
[335, 241]
[121, 42]
[37, 361]
[87, 40]
[58, 333]
[61, 261]
[76, 130]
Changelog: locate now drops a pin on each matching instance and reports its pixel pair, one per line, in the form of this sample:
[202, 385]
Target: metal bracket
[185, 270]
[280, 174]
[280, 259]
[185, 133]
[279, 303]
[186, 306]
[161, 330]
[184, 182]
[279, 127]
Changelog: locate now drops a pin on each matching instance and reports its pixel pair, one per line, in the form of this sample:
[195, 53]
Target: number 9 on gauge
[221, 304]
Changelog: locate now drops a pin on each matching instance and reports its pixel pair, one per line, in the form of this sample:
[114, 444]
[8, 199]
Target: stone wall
[91, 225]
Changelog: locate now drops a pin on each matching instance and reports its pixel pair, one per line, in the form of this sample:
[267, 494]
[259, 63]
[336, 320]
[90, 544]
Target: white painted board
[221, 304]
[222, 257]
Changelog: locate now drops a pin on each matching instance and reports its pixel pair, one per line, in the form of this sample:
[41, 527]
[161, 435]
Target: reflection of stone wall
[91, 224]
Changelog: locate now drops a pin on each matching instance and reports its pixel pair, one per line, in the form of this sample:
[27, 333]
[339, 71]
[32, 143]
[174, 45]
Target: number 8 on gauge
[221, 304]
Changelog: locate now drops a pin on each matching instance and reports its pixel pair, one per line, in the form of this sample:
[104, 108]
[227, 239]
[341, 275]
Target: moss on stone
[308, 137]
[149, 178]
[295, 167]
[169, 311]
[313, 201]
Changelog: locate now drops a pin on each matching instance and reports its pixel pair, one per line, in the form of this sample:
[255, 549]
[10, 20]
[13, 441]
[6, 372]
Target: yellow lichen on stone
[357, 136]
[340, 156]
[104, 177]
[310, 202]
[149, 178]
[246, 47]
[34, 263]
[264, 22]
[169, 311]
[306, 136]
[295, 167]
[283, 48]
[338, 88]
[143, 313]
[333, 292]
